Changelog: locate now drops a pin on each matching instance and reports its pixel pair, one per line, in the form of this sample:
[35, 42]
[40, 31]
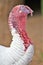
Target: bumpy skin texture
[17, 19]
[21, 50]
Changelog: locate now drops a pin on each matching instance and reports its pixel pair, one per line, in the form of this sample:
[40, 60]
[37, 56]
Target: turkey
[21, 49]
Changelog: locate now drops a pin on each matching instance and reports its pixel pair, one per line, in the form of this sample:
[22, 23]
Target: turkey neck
[20, 27]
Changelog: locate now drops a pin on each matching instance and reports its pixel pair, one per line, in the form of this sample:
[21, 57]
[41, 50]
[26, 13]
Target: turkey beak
[28, 10]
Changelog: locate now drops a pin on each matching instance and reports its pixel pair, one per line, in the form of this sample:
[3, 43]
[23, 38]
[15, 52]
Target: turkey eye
[20, 11]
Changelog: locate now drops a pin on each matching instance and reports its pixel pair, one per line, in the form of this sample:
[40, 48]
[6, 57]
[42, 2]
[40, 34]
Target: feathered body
[21, 49]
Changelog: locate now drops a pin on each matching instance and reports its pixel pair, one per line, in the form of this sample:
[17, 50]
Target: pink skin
[17, 19]
[22, 31]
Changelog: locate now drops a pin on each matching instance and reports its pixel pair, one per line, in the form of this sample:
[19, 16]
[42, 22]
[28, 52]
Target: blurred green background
[34, 26]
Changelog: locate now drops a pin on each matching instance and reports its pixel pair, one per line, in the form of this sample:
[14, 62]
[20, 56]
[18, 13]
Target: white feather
[15, 54]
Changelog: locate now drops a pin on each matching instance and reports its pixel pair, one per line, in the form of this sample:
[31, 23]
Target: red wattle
[26, 39]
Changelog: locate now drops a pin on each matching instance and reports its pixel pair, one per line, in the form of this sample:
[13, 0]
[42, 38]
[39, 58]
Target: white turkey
[21, 49]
